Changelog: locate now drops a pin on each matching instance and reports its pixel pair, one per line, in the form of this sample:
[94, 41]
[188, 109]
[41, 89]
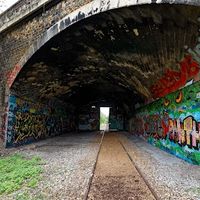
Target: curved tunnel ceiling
[117, 55]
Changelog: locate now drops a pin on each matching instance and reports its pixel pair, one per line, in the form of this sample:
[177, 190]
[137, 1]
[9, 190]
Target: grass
[17, 171]
[103, 119]
[23, 196]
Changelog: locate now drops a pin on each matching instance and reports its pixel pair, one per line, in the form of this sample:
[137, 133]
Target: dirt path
[115, 176]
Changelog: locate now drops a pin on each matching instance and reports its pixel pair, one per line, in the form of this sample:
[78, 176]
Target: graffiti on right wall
[172, 123]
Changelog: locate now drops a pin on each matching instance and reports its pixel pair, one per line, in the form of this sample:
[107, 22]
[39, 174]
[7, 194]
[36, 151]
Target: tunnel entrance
[139, 60]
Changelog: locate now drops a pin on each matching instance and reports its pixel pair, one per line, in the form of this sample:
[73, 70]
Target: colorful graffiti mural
[29, 121]
[173, 123]
[173, 80]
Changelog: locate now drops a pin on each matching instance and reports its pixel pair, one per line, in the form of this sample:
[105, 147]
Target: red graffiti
[173, 80]
[165, 129]
[11, 75]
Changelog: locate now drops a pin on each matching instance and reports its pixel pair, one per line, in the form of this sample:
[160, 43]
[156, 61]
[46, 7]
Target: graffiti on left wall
[29, 121]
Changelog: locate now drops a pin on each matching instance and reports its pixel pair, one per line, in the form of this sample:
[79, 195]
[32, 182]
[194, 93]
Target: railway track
[90, 181]
[139, 171]
[116, 176]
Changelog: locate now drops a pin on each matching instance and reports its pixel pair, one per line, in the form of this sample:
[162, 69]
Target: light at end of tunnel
[93, 107]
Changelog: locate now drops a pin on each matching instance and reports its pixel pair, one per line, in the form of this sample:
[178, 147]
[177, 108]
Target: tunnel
[142, 61]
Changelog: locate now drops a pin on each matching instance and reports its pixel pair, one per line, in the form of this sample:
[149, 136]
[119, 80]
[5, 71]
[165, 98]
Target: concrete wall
[172, 123]
[29, 121]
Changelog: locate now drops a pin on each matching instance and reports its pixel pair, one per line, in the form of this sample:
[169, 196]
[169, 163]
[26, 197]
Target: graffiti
[173, 123]
[138, 126]
[179, 98]
[105, 5]
[29, 125]
[173, 80]
[29, 121]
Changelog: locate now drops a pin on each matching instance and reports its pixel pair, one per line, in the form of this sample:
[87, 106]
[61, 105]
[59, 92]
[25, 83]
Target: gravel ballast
[115, 177]
[170, 177]
[68, 163]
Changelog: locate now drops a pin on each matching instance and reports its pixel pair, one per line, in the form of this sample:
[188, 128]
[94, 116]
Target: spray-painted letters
[173, 80]
[172, 123]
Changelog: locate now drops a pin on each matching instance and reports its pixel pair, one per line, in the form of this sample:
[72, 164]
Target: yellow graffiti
[29, 125]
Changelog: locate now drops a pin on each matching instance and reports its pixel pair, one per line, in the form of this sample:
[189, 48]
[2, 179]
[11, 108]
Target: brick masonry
[16, 40]
[20, 37]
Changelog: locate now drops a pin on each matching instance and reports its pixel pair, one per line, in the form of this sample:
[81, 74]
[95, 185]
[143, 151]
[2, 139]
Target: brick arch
[88, 10]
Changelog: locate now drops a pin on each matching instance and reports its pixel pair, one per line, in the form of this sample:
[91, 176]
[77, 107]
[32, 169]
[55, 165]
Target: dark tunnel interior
[110, 59]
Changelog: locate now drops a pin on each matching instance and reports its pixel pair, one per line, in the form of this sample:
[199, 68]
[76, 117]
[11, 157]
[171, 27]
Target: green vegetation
[16, 171]
[103, 119]
[23, 196]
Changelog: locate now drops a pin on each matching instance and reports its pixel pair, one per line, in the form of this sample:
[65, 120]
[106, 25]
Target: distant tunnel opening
[104, 118]
[135, 60]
